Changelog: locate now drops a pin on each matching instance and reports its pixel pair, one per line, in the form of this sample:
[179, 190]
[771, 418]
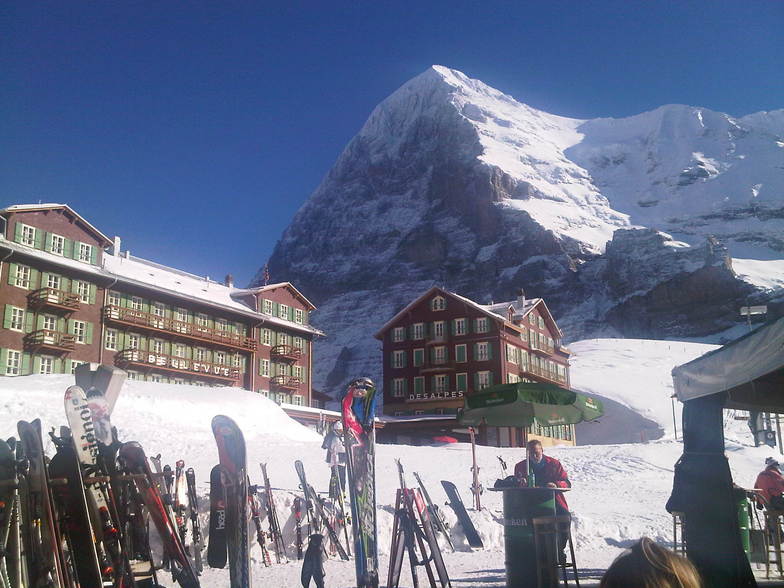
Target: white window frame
[398, 359]
[398, 334]
[13, 363]
[483, 379]
[482, 324]
[439, 328]
[296, 399]
[17, 319]
[200, 354]
[114, 298]
[438, 303]
[157, 346]
[283, 311]
[179, 350]
[441, 383]
[136, 303]
[53, 281]
[482, 351]
[85, 252]
[460, 326]
[181, 315]
[465, 353]
[439, 355]
[297, 372]
[266, 337]
[80, 331]
[83, 291]
[134, 341]
[398, 387]
[75, 363]
[221, 324]
[23, 273]
[28, 240]
[46, 365]
[57, 246]
[299, 315]
[265, 367]
[512, 378]
[299, 343]
[220, 358]
[267, 307]
[110, 340]
[419, 331]
[202, 320]
[49, 323]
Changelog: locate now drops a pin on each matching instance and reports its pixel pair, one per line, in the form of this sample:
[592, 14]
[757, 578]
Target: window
[222, 324]
[85, 252]
[440, 383]
[80, 331]
[157, 346]
[532, 319]
[419, 331]
[419, 412]
[53, 281]
[267, 306]
[460, 353]
[27, 235]
[419, 357]
[283, 311]
[178, 381]
[178, 350]
[438, 330]
[200, 354]
[298, 372]
[17, 319]
[46, 365]
[75, 363]
[266, 337]
[510, 353]
[50, 323]
[199, 383]
[22, 277]
[134, 375]
[461, 381]
[155, 378]
[181, 315]
[439, 355]
[111, 339]
[398, 359]
[482, 380]
[114, 298]
[512, 378]
[136, 303]
[13, 363]
[296, 399]
[220, 357]
[481, 351]
[202, 320]
[82, 290]
[398, 334]
[419, 385]
[237, 361]
[398, 387]
[158, 309]
[481, 325]
[298, 315]
[299, 343]
[265, 367]
[283, 339]
[438, 303]
[57, 245]
[460, 326]
[541, 323]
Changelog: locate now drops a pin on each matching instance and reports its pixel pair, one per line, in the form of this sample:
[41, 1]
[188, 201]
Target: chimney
[228, 281]
[116, 246]
[521, 299]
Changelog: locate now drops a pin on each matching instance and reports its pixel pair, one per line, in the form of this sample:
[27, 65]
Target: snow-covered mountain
[626, 226]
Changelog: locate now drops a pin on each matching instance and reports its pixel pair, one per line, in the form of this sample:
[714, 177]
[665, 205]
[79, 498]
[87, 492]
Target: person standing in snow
[547, 472]
[770, 484]
[336, 451]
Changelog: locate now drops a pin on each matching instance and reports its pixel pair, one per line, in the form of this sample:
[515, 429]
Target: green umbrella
[517, 405]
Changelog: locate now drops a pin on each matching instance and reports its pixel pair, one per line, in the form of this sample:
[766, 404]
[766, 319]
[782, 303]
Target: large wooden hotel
[69, 295]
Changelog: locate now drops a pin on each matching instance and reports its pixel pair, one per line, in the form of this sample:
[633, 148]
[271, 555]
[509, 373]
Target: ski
[476, 486]
[180, 502]
[133, 459]
[261, 538]
[338, 500]
[358, 413]
[462, 514]
[231, 454]
[319, 514]
[11, 565]
[216, 548]
[297, 507]
[272, 515]
[193, 507]
[435, 513]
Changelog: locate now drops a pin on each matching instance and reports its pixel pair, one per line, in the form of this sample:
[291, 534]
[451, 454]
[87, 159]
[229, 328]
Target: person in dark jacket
[547, 472]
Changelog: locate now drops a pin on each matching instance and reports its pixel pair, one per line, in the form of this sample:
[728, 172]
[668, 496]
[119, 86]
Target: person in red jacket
[770, 484]
[547, 473]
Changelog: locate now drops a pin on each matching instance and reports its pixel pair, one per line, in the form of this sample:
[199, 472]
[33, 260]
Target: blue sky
[195, 130]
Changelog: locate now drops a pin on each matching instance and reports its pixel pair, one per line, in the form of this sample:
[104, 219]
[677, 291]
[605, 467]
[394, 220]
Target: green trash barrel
[744, 521]
[521, 505]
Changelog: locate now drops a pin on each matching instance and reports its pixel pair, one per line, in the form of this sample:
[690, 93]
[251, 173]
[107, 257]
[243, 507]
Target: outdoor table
[521, 505]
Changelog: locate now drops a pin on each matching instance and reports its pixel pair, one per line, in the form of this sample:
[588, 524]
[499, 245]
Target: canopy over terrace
[747, 374]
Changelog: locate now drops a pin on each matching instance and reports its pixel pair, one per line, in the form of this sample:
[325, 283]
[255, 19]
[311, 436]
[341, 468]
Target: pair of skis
[317, 511]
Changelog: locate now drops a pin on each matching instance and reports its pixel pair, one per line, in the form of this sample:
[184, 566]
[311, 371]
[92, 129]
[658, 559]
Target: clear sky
[195, 130]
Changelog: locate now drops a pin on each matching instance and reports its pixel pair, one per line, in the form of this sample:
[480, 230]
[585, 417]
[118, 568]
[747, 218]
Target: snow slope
[618, 491]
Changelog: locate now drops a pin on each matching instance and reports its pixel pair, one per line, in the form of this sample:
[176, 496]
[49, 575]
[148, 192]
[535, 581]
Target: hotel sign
[425, 396]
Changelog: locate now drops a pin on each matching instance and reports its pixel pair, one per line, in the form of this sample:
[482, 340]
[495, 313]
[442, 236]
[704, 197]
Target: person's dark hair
[649, 565]
[533, 443]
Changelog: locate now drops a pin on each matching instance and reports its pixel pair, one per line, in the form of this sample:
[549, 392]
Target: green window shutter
[490, 378]
[61, 325]
[490, 350]
[304, 374]
[65, 284]
[12, 267]
[475, 355]
[432, 383]
[146, 305]
[39, 323]
[75, 250]
[39, 239]
[36, 364]
[452, 327]
[92, 293]
[58, 366]
[48, 241]
[88, 333]
[167, 347]
[34, 275]
[462, 384]
[3, 359]
[45, 280]
[476, 381]
[18, 232]
[275, 309]
[419, 385]
[291, 313]
[460, 353]
[7, 319]
[405, 387]
[405, 359]
[446, 353]
[29, 319]
[70, 327]
[68, 249]
[25, 363]
[94, 255]
[125, 300]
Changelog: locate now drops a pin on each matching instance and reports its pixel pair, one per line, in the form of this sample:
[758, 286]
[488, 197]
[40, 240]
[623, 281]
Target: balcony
[285, 382]
[168, 326]
[285, 353]
[437, 365]
[540, 373]
[136, 358]
[542, 349]
[53, 299]
[48, 340]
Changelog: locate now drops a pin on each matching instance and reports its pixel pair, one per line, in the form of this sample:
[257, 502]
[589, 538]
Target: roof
[497, 311]
[153, 276]
[289, 285]
[749, 369]
[53, 206]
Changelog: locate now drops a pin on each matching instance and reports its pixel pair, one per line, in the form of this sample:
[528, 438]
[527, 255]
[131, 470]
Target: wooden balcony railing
[542, 348]
[50, 340]
[285, 353]
[153, 322]
[542, 373]
[53, 298]
[181, 365]
[287, 382]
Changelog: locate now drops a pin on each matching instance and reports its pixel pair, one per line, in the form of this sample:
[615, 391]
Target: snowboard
[216, 546]
[358, 412]
[462, 515]
[231, 455]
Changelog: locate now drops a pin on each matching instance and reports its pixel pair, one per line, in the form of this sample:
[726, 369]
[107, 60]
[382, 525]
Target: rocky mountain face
[626, 227]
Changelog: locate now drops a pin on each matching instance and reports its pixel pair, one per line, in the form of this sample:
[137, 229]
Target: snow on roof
[52, 206]
[258, 289]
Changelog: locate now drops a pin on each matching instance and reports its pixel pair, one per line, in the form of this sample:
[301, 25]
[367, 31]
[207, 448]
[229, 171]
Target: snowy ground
[618, 494]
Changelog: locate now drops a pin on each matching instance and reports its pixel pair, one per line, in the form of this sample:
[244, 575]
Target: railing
[544, 373]
[286, 352]
[139, 318]
[543, 347]
[51, 340]
[54, 298]
[436, 365]
[161, 361]
[288, 382]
